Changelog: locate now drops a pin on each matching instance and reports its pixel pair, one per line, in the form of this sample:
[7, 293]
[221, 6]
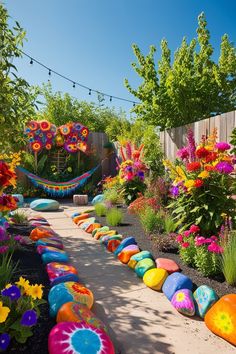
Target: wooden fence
[175, 138]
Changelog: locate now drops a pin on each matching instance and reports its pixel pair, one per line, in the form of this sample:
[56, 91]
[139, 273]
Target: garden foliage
[114, 217]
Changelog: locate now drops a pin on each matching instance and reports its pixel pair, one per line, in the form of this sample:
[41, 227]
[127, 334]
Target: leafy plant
[100, 209]
[131, 189]
[114, 217]
[169, 224]
[7, 268]
[151, 220]
[19, 217]
[112, 195]
[228, 260]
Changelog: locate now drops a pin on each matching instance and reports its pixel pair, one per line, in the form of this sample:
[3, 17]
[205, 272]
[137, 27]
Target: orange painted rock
[41, 232]
[167, 264]
[76, 219]
[104, 233]
[75, 312]
[155, 278]
[92, 227]
[221, 318]
[127, 252]
[112, 245]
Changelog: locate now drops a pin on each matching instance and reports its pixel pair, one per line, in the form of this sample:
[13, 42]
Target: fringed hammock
[58, 189]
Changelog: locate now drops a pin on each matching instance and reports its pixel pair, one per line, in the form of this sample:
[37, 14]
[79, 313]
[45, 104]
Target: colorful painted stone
[154, 278]
[80, 217]
[99, 234]
[182, 300]
[54, 257]
[112, 245]
[97, 199]
[104, 228]
[204, 298]
[44, 205]
[221, 318]
[176, 281]
[64, 279]
[78, 338]
[75, 214]
[39, 223]
[167, 264]
[55, 269]
[43, 249]
[92, 227]
[42, 232]
[138, 257]
[52, 241]
[66, 292]
[127, 252]
[124, 243]
[75, 312]
[104, 239]
[143, 266]
[83, 225]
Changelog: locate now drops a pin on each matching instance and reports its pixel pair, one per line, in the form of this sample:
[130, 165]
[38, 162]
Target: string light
[110, 98]
[73, 84]
[49, 72]
[31, 61]
[90, 92]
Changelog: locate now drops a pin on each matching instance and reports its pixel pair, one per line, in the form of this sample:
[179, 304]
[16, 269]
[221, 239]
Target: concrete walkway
[140, 320]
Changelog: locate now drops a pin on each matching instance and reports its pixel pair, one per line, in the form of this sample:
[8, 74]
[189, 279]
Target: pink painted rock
[78, 338]
[55, 270]
[168, 264]
[183, 302]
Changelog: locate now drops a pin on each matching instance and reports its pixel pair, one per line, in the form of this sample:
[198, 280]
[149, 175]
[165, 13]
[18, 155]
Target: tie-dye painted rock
[127, 252]
[124, 243]
[55, 257]
[139, 257]
[167, 264]
[104, 228]
[99, 234]
[104, 240]
[92, 227]
[41, 249]
[65, 278]
[182, 300]
[75, 312]
[112, 245]
[143, 266]
[78, 338]
[52, 241]
[204, 298]
[66, 292]
[44, 205]
[221, 318]
[80, 217]
[176, 281]
[155, 278]
[56, 269]
[42, 232]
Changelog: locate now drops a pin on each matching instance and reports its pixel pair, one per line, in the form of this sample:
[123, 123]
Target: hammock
[58, 189]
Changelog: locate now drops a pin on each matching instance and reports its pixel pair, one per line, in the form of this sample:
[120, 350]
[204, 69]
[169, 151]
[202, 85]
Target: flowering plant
[202, 184]
[19, 311]
[141, 203]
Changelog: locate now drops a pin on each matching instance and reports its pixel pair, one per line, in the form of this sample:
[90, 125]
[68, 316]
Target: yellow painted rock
[154, 278]
[103, 233]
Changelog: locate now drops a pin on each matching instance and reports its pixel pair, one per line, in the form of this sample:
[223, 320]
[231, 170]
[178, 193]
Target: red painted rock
[167, 264]
[112, 245]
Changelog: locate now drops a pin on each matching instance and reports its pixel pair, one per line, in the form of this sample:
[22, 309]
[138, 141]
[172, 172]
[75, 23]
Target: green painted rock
[143, 266]
[104, 228]
[138, 257]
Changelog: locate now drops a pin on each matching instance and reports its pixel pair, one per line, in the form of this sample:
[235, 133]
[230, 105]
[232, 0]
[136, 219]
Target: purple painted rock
[81, 338]
[127, 252]
[182, 300]
[52, 241]
[64, 279]
[176, 281]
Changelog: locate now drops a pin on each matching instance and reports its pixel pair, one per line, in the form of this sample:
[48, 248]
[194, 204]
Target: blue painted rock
[64, 279]
[66, 292]
[78, 338]
[143, 266]
[74, 215]
[154, 278]
[182, 300]
[44, 205]
[127, 252]
[20, 199]
[98, 199]
[167, 264]
[204, 298]
[139, 257]
[55, 269]
[86, 223]
[126, 242]
[49, 257]
[104, 228]
[41, 249]
[176, 281]
[52, 241]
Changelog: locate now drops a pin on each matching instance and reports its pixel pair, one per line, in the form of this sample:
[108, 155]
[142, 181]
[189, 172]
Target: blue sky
[90, 41]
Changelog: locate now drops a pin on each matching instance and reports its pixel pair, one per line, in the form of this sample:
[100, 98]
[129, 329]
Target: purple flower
[191, 144]
[13, 292]
[222, 146]
[4, 341]
[174, 191]
[3, 249]
[29, 318]
[183, 153]
[3, 234]
[224, 167]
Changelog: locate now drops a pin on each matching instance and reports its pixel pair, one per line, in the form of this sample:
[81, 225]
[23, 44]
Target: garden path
[140, 320]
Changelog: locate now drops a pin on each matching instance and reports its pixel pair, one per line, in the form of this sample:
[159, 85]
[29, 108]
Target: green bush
[111, 195]
[114, 217]
[228, 260]
[169, 224]
[20, 217]
[100, 209]
[150, 220]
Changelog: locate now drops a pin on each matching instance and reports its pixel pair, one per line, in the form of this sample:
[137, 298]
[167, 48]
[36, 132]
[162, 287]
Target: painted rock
[126, 242]
[92, 227]
[80, 217]
[204, 298]
[44, 205]
[43, 249]
[182, 300]
[64, 279]
[112, 245]
[78, 338]
[39, 223]
[85, 223]
[127, 252]
[138, 257]
[176, 281]
[221, 318]
[99, 234]
[104, 228]
[75, 312]
[75, 214]
[55, 269]
[36, 217]
[104, 240]
[66, 292]
[52, 241]
[143, 266]
[167, 264]
[41, 232]
[98, 199]
[154, 278]
[55, 257]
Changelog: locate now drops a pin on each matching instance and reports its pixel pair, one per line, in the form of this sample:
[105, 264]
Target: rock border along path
[140, 320]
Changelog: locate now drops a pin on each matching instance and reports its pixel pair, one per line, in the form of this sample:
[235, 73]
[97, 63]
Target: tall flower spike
[191, 144]
[129, 150]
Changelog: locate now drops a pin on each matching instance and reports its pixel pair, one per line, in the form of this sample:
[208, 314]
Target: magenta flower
[3, 234]
[194, 229]
[174, 191]
[214, 238]
[199, 241]
[29, 318]
[191, 144]
[222, 146]
[3, 249]
[179, 238]
[215, 248]
[13, 292]
[185, 244]
[183, 153]
[187, 233]
[224, 167]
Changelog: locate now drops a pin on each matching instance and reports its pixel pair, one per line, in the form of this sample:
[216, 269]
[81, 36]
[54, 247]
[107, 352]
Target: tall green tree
[190, 88]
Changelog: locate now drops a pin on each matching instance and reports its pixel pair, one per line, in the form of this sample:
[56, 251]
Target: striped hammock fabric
[58, 189]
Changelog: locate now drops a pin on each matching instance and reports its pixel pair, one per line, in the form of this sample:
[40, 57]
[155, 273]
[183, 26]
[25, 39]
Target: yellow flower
[4, 311]
[180, 297]
[224, 322]
[8, 286]
[23, 283]
[189, 183]
[35, 291]
[204, 174]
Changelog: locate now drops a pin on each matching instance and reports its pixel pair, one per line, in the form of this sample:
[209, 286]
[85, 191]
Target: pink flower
[208, 240]
[194, 229]
[183, 153]
[200, 240]
[215, 248]
[179, 238]
[185, 244]
[214, 238]
[222, 146]
[187, 233]
[3, 249]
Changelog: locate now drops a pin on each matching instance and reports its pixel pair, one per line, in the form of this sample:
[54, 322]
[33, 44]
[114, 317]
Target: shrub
[139, 204]
[150, 220]
[169, 224]
[111, 195]
[228, 261]
[114, 217]
[19, 217]
[166, 242]
[100, 209]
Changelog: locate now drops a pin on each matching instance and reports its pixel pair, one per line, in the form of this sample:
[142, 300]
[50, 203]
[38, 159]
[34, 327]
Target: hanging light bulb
[110, 98]
[31, 61]
[49, 72]
[133, 104]
[73, 84]
[89, 91]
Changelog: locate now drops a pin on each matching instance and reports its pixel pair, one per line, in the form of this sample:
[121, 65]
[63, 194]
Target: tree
[191, 88]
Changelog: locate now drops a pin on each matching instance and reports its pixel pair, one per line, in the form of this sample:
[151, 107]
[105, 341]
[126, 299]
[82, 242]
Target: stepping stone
[66, 292]
[75, 312]
[65, 278]
[92, 227]
[112, 245]
[81, 338]
[41, 249]
[55, 270]
[126, 242]
[98, 199]
[155, 278]
[143, 266]
[44, 205]
[52, 241]
[80, 217]
[99, 234]
[167, 264]
[104, 228]
[54, 257]
[176, 281]
[204, 298]
[127, 252]
[138, 257]
[221, 318]
[183, 302]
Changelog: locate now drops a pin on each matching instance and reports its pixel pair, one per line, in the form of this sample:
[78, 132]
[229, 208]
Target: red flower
[194, 229]
[193, 166]
[185, 244]
[6, 175]
[202, 152]
[209, 168]
[212, 156]
[198, 183]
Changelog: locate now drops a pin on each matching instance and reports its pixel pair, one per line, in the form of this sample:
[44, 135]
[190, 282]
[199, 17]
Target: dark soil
[131, 227]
